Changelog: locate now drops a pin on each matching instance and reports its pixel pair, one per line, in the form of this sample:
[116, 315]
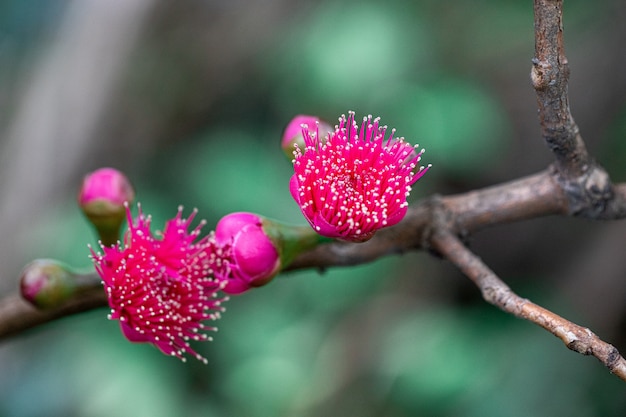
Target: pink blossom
[162, 289]
[354, 181]
[248, 257]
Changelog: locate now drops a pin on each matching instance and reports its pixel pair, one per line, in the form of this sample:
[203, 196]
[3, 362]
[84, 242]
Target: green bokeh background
[402, 336]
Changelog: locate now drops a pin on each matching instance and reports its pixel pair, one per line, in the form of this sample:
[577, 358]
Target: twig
[550, 74]
[496, 292]
[16, 315]
[530, 197]
[587, 184]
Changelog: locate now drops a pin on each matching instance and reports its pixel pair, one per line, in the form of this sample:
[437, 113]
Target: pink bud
[106, 186]
[250, 258]
[293, 133]
[102, 197]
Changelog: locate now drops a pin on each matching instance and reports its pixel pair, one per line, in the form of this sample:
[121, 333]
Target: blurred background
[190, 99]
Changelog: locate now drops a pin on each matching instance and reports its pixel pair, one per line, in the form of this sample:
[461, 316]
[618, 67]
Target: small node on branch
[589, 195]
[538, 75]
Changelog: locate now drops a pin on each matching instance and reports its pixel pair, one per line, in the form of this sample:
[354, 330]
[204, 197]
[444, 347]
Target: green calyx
[106, 218]
[291, 240]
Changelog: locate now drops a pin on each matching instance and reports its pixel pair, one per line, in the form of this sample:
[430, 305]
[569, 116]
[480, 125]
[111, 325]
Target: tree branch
[525, 198]
[496, 292]
[550, 74]
[534, 196]
[17, 315]
[537, 195]
[587, 184]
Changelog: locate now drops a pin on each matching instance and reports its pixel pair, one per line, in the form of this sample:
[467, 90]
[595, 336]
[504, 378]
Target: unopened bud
[102, 197]
[47, 283]
[251, 259]
[255, 249]
[293, 132]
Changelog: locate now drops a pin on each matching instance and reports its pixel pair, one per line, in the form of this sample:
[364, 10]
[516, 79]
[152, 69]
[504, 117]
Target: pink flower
[355, 181]
[293, 132]
[162, 289]
[249, 258]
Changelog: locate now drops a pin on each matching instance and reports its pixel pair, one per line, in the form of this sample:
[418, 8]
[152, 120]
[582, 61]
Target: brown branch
[530, 197]
[17, 315]
[587, 184]
[496, 292]
[534, 196]
[550, 74]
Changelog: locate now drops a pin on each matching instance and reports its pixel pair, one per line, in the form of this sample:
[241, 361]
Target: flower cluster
[162, 289]
[355, 181]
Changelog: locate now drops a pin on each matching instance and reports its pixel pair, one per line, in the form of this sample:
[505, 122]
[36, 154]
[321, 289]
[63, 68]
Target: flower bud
[254, 249]
[251, 258]
[47, 283]
[102, 197]
[293, 132]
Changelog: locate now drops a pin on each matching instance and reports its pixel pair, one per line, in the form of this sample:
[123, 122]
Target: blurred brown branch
[496, 292]
[574, 185]
[17, 315]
